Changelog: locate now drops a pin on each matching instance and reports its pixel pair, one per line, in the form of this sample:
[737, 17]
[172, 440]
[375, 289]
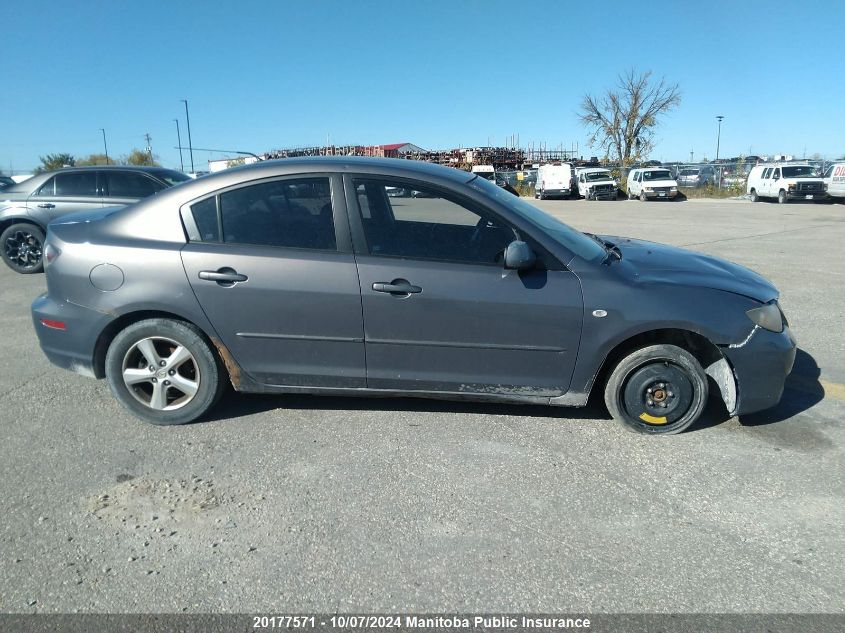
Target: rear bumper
[73, 346]
[761, 365]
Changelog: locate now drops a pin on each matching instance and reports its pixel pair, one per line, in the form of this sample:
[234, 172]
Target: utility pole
[718, 139]
[190, 145]
[105, 147]
[148, 138]
[179, 140]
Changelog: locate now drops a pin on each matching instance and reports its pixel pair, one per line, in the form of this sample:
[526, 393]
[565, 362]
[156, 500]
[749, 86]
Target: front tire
[643, 197]
[782, 199]
[660, 389]
[164, 372]
[754, 196]
[22, 246]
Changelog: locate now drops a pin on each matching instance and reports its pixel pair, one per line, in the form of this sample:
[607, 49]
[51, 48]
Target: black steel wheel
[22, 248]
[660, 389]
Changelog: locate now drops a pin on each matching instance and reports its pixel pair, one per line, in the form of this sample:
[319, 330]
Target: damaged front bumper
[752, 373]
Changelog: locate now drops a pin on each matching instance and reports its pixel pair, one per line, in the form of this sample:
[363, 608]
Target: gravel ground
[322, 504]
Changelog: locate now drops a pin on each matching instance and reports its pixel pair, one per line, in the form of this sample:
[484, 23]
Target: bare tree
[622, 121]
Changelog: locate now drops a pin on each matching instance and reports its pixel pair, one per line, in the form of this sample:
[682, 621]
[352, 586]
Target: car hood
[660, 263]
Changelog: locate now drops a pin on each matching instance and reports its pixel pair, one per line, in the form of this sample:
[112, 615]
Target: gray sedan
[308, 276]
[27, 207]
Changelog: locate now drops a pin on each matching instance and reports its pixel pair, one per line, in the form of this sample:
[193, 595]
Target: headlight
[767, 317]
[647, 188]
[673, 188]
[791, 186]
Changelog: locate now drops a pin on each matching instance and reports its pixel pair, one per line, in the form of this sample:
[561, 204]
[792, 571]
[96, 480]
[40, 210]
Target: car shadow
[802, 392]
[236, 405]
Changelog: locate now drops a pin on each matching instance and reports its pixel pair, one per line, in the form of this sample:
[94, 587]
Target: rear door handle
[47, 205]
[223, 276]
[396, 287]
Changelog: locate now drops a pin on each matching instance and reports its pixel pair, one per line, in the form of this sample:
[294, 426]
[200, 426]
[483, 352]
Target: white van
[834, 179]
[785, 181]
[554, 179]
[595, 183]
[651, 183]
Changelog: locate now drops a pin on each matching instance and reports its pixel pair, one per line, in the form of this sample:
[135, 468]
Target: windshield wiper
[609, 247]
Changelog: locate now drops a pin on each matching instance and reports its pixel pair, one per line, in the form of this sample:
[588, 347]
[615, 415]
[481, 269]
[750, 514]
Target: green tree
[139, 157]
[95, 159]
[54, 161]
[622, 120]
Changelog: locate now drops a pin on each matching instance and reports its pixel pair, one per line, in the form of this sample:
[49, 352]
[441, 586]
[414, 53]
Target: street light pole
[190, 146]
[105, 147]
[179, 139]
[718, 139]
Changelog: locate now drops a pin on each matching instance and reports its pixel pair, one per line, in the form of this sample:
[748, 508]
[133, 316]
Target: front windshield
[596, 175]
[799, 171]
[657, 174]
[584, 247]
[171, 176]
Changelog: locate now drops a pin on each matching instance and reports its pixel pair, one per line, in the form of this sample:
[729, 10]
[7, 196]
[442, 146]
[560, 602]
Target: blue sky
[265, 75]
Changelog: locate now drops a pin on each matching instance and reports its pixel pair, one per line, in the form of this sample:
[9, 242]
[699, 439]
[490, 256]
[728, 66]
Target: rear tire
[782, 199]
[164, 372]
[22, 248]
[660, 389]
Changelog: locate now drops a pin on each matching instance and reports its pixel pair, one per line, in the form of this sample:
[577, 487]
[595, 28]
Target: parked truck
[595, 183]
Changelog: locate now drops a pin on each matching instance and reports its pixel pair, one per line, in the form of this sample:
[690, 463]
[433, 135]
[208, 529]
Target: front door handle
[396, 287]
[223, 276]
[47, 205]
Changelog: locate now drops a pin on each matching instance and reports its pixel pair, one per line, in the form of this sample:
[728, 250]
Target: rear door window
[77, 185]
[73, 185]
[294, 213]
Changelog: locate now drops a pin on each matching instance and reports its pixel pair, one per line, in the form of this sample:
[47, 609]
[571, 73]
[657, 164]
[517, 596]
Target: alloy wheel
[160, 373]
[23, 249]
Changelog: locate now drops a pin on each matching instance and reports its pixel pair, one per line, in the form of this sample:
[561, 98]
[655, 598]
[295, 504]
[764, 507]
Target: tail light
[53, 325]
[50, 254]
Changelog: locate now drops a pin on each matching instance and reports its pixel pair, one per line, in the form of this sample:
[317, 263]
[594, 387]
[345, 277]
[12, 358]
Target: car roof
[146, 168]
[153, 216]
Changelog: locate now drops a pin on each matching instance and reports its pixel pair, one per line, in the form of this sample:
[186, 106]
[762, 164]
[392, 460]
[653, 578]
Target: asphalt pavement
[320, 504]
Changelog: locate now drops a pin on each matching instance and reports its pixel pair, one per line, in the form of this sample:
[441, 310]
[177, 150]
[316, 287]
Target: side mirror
[519, 256]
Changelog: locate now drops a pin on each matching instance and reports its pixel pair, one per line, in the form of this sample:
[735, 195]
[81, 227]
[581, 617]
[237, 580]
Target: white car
[785, 182]
[834, 179]
[651, 183]
[595, 183]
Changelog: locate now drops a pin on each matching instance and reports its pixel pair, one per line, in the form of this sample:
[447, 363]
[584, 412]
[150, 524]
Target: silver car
[308, 276]
[27, 207]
